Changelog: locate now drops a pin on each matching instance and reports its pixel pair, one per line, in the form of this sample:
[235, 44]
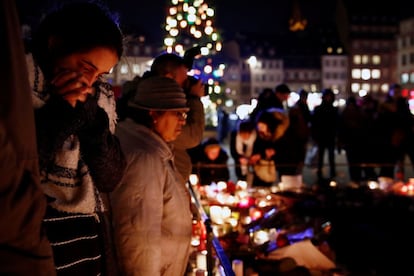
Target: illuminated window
[365, 59]
[124, 69]
[376, 59]
[135, 69]
[355, 87]
[366, 74]
[357, 59]
[376, 74]
[356, 73]
[404, 77]
[384, 87]
[412, 77]
[366, 87]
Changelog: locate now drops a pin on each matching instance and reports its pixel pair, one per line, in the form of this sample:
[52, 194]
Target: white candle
[193, 179]
[201, 262]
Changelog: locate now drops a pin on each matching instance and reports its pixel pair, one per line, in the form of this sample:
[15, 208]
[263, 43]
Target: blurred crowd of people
[377, 134]
[374, 134]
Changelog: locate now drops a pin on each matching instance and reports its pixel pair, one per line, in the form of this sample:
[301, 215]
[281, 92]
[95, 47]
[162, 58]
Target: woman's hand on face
[72, 86]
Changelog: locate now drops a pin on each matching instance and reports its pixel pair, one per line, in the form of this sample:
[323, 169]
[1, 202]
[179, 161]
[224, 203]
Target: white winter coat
[151, 207]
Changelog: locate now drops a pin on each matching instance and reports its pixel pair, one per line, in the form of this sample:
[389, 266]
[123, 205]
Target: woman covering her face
[75, 46]
[151, 206]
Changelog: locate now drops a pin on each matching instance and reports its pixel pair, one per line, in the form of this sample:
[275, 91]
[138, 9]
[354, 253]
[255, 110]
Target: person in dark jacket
[24, 248]
[241, 147]
[292, 146]
[210, 161]
[324, 131]
[271, 125]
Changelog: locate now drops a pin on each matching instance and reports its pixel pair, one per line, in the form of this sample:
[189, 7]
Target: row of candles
[231, 206]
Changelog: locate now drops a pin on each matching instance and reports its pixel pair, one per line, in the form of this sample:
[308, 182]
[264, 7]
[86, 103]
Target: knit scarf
[69, 180]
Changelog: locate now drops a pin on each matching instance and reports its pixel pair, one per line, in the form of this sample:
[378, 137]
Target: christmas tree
[190, 23]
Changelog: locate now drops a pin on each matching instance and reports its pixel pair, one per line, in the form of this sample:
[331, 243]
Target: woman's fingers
[72, 86]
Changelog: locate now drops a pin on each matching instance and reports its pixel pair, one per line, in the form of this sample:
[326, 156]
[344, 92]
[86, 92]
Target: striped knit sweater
[79, 158]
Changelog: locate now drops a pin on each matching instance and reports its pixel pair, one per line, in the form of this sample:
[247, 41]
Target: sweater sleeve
[101, 149]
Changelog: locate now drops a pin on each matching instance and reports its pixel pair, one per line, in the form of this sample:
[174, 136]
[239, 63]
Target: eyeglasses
[181, 115]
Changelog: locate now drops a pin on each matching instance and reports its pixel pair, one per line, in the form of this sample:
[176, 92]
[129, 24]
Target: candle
[201, 262]
[193, 179]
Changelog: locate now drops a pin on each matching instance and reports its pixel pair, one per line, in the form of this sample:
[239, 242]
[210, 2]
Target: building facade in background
[355, 54]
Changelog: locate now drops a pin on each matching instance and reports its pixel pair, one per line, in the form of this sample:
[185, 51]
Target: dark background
[232, 16]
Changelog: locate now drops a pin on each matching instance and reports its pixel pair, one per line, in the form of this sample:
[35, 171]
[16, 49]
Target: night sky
[232, 16]
[147, 17]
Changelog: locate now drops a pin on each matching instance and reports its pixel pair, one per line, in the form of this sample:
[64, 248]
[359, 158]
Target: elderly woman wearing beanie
[151, 206]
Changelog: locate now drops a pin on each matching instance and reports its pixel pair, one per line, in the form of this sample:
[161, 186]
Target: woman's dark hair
[268, 118]
[73, 28]
[266, 99]
[246, 126]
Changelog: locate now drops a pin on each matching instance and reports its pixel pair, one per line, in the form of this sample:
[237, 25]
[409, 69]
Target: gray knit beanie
[159, 93]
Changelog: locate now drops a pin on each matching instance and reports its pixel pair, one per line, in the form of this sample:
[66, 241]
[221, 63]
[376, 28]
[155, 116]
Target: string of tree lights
[190, 23]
